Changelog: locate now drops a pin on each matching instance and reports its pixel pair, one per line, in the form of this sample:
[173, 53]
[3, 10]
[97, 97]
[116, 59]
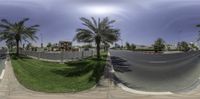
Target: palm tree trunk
[98, 51]
[98, 48]
[17, 53]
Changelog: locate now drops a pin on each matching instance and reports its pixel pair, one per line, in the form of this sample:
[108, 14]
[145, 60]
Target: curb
[125, 88]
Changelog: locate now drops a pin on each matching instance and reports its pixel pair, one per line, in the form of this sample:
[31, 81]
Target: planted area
[54, 77]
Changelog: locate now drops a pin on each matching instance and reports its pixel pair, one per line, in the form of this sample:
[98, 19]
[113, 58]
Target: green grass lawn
[58, 78]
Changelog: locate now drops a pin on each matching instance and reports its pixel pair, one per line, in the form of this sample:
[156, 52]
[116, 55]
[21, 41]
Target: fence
[59, 56]
[2, 52]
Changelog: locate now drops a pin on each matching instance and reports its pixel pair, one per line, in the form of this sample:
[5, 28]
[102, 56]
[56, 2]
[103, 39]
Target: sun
[101, 10]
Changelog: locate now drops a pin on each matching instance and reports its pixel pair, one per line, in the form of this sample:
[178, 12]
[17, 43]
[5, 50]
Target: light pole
[41, 37]
[122, 44]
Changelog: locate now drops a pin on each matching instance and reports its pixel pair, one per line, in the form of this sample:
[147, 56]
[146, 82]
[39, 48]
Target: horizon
[141, 22]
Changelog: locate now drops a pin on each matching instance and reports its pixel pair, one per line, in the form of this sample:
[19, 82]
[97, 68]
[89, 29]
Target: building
[54, 47]
[169, 47]
[62, 46]
[65, 45]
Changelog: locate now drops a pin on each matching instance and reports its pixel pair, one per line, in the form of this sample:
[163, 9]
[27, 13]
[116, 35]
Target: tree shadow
[98, 71]
[74, 64]
[76, 69]
[16, 57]
[82, 68]
[120, 65]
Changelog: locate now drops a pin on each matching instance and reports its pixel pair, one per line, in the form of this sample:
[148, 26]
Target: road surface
[157, 72]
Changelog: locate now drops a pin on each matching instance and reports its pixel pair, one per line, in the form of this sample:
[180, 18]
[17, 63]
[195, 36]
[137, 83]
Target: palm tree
[17, 32]
[98, 32]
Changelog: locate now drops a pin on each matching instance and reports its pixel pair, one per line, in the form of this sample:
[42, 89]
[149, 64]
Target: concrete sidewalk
[11, 89]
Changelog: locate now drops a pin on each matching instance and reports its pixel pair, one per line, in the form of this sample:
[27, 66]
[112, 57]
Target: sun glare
[101, 10]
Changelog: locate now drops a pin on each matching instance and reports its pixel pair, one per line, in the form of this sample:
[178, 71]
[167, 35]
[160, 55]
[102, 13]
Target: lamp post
[41, 37]
[122, 44]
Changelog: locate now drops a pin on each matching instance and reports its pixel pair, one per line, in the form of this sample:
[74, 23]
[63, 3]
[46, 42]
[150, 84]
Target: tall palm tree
[17, 32]
[97, 31]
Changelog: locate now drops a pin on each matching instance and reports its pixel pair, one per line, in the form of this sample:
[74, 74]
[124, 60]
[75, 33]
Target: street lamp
[122, 43]
[41, 37]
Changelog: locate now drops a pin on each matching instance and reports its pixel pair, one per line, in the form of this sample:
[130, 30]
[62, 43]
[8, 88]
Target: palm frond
[110, 35]
[83, 36]
[23, 21]
[198, 25]
[85, 30]
[88, 23]
[5, 21]
[6, 36]
[4, 26]
[94, 21]
[18, 30]
[34, 26]
[101, 29]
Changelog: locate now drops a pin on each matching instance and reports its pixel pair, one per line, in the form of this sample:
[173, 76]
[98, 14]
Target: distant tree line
[160, 45]
[130, 46]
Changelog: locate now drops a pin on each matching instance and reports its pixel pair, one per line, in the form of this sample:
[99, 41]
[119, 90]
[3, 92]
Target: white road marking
[142, 92]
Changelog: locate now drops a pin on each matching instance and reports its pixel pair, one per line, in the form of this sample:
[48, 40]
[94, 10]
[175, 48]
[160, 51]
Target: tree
[133, 47]
[168, 47]
[87, 46]
[159, 45]
[17, 32]
[193, 47]
[179, 46]
[128, 47]
[117, 46]
[106, 46]
[49, 45]
[10, 44]
[183, 46]
[29, 46]
[97, 31]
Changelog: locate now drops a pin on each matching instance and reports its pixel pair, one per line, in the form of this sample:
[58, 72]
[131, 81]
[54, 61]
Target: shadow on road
[120, 65]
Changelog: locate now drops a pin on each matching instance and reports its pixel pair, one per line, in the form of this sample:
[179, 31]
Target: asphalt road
[160, 72]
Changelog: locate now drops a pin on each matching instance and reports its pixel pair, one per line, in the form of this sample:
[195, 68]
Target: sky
[140, 21]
